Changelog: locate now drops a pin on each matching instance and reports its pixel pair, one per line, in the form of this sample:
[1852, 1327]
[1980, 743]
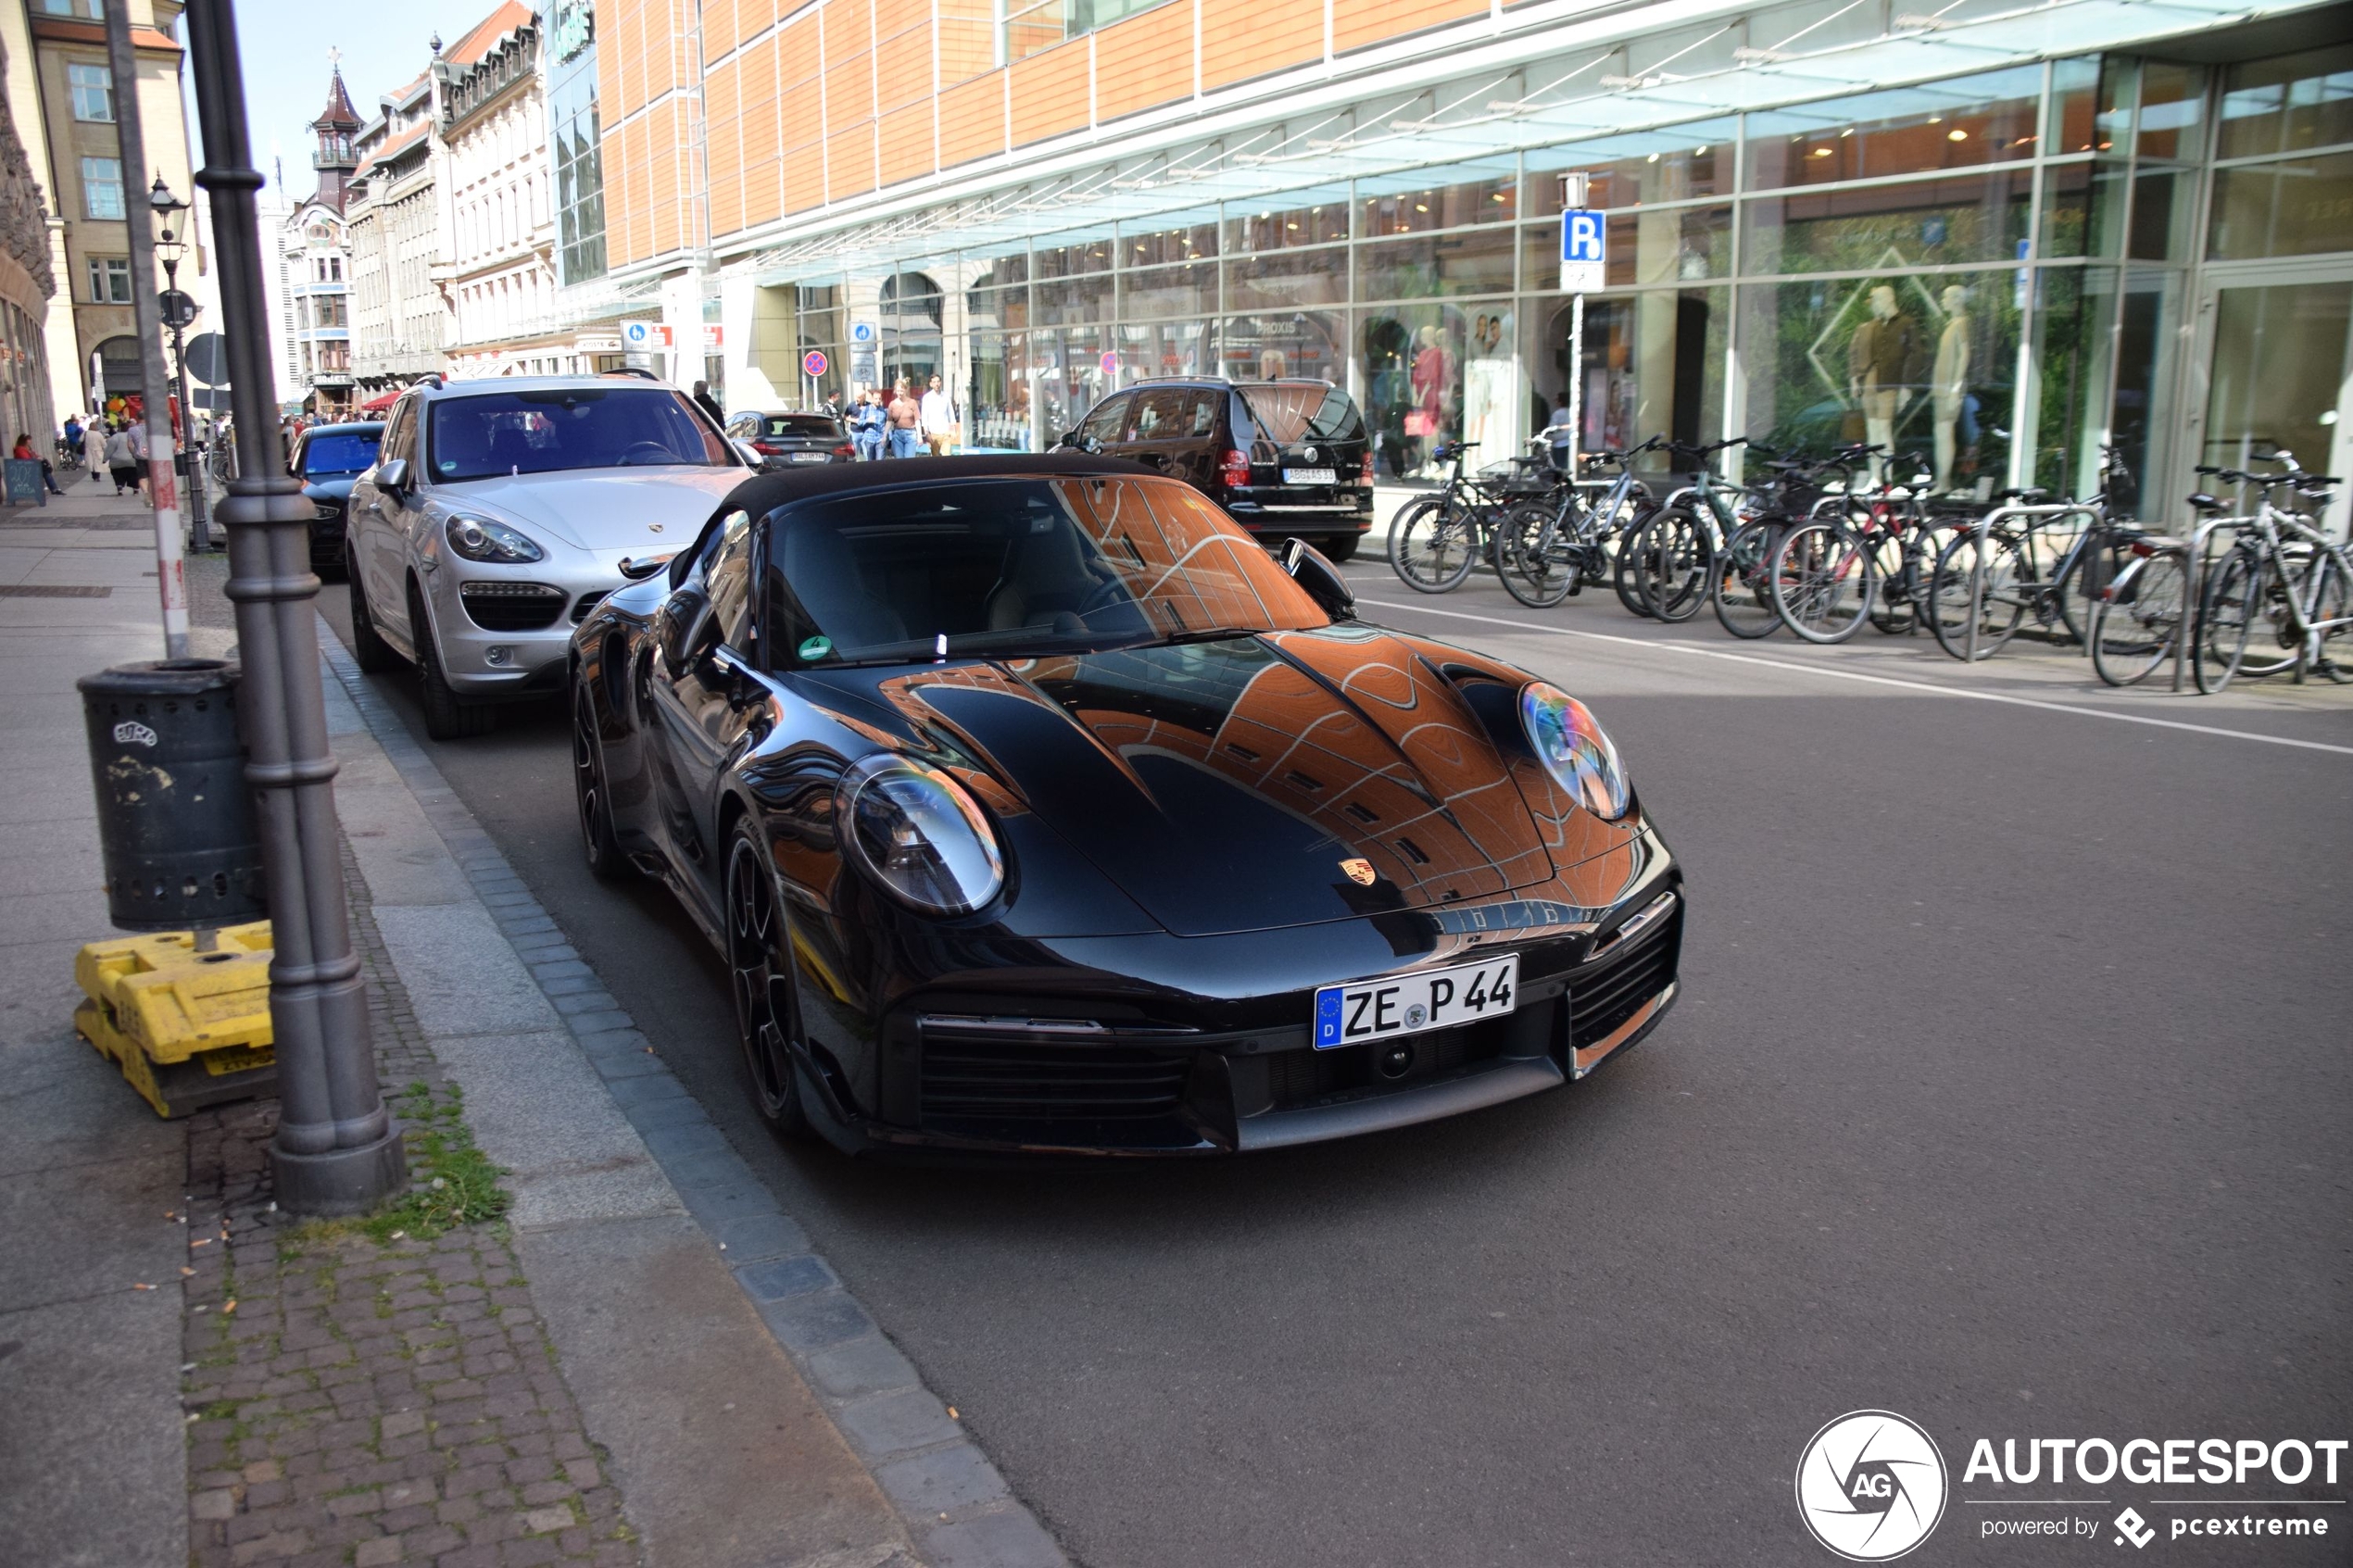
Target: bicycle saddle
[2206, 503]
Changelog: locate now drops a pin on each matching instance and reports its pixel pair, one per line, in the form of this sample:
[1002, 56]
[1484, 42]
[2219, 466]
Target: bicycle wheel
[1536, 554]
[2334, 602]
[1625, 575]
[1990, 569]
[1825, 581]
[2236, 589]
[1740, 583]
[1672, 557]
[2134, 630]
[1431, 545]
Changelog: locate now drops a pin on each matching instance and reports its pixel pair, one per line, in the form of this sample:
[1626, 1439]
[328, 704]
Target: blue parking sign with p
[1581, 235]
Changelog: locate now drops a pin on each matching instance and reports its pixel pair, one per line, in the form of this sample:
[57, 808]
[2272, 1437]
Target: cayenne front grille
[1625, 977]
[583, 604]
[512, 607]
[997, 1081]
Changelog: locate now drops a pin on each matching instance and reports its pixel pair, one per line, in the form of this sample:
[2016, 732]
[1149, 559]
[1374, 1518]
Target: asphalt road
[2010, 1092]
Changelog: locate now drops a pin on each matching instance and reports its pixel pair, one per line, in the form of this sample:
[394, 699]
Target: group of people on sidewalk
[119, 445]
[903, 425]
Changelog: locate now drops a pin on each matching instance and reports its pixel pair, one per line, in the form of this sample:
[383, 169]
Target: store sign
[644, 336]
[1584, 250]
[715, 337]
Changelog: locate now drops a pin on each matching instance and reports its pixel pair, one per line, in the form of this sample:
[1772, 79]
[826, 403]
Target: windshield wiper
[1209, 635]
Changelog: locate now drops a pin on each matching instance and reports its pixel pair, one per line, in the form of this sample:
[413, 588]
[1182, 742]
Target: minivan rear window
[1290, 411]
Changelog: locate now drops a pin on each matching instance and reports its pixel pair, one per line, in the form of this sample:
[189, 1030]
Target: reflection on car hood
[330, 488]
[601, 509]
[1224, 787]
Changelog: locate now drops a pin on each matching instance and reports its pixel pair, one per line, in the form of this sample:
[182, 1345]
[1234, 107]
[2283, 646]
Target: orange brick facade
[802, 106]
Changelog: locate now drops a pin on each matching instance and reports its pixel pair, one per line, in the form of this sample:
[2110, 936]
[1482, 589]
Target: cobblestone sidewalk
[361, 1401]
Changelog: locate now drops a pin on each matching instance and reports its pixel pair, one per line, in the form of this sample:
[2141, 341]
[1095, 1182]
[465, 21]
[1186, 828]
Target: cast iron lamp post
[336, 1151]
[169, 249]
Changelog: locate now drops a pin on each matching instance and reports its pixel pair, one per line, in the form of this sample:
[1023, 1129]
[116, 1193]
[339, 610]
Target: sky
[284, 43]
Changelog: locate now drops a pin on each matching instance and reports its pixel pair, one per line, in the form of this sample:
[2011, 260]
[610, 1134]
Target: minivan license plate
[1408, 1004]
[810, 457]
[1308, 476]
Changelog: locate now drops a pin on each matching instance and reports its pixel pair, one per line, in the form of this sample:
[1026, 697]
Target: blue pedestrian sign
[1584, 250]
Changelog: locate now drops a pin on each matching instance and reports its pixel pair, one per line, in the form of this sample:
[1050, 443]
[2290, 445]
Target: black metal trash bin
[175, 817]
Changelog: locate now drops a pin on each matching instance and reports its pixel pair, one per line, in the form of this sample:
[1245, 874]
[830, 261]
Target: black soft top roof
[764, 493]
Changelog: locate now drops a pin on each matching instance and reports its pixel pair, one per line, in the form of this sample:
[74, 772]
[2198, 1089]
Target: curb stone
[958, 1511]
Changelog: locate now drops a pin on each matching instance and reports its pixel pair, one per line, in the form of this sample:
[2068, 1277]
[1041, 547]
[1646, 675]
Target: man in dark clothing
[710, 404]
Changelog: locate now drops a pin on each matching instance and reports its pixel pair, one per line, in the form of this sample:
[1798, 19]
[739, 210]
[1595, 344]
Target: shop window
[93, 90]
[1286, 280]
[2173, 98]
[1006, 308]
[1164, 348]
[1922, 223]
[1065, 301]
[1686, 162]
[1413, 358]
[997, 393]
[2289, 103]
[1666, 245]
[1450, 264]
[1384, 209]
[1190, 242]
[1316, 217]
[1069, 372]
[1158, 292]
[1957, 124]
[1307, 343]
[1653, 364]
[2074, 125]
[1922, 364]
[2084, 209]
[2299, 206]
[1072, 259]
[2074, 309]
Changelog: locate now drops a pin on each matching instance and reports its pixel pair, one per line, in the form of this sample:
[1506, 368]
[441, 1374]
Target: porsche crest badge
[1360, 871]
[653, 528]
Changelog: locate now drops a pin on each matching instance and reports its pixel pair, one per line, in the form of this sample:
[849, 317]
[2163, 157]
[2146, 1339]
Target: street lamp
[169, 249]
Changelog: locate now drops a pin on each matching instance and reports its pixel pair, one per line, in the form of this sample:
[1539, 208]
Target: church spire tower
[334, 158]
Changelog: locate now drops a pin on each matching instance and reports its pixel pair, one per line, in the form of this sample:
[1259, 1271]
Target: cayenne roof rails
[631, 370]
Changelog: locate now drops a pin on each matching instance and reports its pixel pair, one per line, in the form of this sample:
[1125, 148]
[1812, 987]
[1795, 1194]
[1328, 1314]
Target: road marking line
[1930, 686]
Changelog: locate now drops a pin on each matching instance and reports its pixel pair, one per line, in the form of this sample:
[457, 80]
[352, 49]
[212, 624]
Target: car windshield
[1017, 566]
[352, 452]
[817, 426]
[590, 427]
[1290, 411]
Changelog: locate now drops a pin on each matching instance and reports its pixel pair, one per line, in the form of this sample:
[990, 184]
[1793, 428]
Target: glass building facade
[1999, 271]
[575, 146]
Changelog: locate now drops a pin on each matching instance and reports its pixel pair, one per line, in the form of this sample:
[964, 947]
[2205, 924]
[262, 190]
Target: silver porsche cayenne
[500, 511]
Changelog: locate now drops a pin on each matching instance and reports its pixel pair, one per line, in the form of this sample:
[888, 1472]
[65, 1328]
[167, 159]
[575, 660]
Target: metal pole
[171, 572]
[1576, 384]
[336, 1151]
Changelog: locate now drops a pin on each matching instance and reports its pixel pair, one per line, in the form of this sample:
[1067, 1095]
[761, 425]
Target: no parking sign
[814, 362]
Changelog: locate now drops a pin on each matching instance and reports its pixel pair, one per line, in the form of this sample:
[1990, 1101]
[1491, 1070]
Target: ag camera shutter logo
[1871, 1486]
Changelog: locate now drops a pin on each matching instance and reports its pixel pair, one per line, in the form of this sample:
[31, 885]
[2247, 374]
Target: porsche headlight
[1573, 749]
[479, 539]
[920, 835]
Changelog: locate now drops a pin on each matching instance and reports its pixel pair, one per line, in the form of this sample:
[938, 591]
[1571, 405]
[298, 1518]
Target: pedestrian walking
[940, 428]
[143, 475]
[906, 418]
[122, 461]
[74, 436]
[25, 454]
[866, 422]
[710, 404]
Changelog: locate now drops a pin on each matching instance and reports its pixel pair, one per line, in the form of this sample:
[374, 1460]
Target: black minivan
[1285, 458]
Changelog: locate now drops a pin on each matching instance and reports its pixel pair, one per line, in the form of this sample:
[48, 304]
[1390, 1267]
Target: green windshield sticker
[816, 649]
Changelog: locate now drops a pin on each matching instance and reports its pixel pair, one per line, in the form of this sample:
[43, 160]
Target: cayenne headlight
[480, 539]
[921, 835]
[1575, 749]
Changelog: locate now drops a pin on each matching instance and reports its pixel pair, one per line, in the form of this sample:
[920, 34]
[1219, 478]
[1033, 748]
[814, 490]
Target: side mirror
[1313, 571]
[392, 475]
[639, 568]
[749, 454]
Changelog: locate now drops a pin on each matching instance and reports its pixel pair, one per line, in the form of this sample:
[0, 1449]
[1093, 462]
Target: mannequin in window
[1883, 349]
[1948, 382]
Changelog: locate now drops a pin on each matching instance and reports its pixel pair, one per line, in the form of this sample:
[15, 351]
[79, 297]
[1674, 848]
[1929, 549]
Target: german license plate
[1308, 476]
[810, 457]
[1408, 1004]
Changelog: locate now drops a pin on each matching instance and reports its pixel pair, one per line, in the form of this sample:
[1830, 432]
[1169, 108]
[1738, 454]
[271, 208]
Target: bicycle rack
[1984, 528]
[2194, 593]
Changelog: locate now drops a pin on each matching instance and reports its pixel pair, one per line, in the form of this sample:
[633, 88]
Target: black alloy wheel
[760, 977]
[1338, 548]
[368, 650]
[599, 845]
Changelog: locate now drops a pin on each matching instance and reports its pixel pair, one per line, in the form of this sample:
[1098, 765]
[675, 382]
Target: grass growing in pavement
[451, 1182]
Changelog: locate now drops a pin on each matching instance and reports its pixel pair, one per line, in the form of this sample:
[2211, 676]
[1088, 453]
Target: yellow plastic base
[188, 1029]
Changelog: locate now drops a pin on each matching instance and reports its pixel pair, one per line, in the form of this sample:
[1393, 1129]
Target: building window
[102, 188]
[93, 92]
[1032, 25]
[109, 280]
[93, 9]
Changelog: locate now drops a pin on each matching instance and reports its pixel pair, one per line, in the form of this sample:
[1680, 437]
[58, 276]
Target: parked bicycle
[1868, 555]
[2030, 557]
[1553, 547]
[1436, 540]
[2283, 595]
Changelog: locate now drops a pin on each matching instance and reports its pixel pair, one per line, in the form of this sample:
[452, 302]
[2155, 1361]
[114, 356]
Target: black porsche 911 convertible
[1035, 807]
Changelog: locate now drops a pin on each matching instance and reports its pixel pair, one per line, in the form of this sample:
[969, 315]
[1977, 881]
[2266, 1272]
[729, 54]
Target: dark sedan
[1035, 807]
[329, 459]
[787, 440]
